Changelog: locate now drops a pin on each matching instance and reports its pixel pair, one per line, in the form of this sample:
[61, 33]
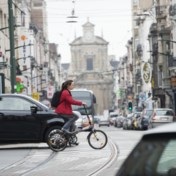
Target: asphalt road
[81, 160]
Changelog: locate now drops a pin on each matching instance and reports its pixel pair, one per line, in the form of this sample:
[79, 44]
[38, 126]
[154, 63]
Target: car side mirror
[33, 109]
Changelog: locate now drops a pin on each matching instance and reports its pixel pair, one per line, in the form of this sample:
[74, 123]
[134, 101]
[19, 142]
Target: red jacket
[66, 101]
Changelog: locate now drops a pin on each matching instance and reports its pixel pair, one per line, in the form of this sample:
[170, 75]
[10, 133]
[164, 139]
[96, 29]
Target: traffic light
[19, 87]
[130, 106]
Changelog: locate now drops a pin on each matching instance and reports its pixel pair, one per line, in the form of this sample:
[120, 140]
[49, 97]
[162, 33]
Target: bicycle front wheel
[97, 139]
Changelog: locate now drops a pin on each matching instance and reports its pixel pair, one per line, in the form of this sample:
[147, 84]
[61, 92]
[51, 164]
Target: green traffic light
[19, 87]
[130, 106]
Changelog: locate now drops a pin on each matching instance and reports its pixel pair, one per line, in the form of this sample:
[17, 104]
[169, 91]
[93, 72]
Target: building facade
[90, 66]
[37, 62]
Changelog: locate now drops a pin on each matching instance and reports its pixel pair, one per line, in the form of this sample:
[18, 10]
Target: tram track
[34, 159]
[113, 156]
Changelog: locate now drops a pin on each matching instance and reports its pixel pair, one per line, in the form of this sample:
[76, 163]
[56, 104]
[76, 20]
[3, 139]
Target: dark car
[143, 121]
[119, 121]
[127, 122]
[23, 119]
[155, 154]
[135, 118]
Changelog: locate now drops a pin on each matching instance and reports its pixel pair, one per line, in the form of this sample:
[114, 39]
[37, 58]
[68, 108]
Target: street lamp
[72, 17]
[12, 50]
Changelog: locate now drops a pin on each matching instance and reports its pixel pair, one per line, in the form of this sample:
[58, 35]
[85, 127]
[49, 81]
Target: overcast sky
[112, 19]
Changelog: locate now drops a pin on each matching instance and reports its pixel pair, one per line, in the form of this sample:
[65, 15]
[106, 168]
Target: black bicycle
[58, 140]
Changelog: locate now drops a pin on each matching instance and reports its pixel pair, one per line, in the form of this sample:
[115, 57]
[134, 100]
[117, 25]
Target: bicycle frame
[97, 139]
[91, 127]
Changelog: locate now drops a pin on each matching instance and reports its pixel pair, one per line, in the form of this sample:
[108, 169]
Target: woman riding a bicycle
[64, 108]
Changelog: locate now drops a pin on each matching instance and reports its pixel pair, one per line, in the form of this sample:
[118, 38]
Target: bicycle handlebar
[87, 114]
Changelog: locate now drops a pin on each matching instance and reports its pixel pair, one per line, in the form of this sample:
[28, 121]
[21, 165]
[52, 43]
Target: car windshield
[38, 102]
[164, 112]
[155, 156]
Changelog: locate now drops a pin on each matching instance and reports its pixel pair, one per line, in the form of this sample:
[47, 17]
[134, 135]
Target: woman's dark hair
[66, 84]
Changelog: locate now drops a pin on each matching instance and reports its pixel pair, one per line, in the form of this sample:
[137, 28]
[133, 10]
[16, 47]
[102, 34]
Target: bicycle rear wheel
[57, 140]
[97, 139]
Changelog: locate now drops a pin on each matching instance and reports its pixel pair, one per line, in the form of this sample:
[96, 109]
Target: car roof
[113, 113]
[10, 94]
[17, 95]
[163, 109]
[25, 96]
[168, 128]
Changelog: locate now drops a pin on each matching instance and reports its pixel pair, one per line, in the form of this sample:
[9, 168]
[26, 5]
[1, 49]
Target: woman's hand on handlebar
[84, 104]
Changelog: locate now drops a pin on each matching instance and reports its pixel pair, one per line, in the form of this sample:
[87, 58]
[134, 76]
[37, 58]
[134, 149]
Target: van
[104, 119]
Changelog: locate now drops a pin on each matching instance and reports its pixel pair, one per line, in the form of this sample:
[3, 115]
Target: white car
[161, 116]
[104, 121]
[79, 122]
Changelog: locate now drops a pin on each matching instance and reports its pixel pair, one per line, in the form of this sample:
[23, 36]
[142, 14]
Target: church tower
[90, 65]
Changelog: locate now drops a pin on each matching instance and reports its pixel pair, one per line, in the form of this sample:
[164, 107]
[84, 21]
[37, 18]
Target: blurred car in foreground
[23, 119]
[161, 116]
[155, 154]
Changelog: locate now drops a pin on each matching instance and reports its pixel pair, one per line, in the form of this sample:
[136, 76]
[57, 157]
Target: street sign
[23, 37]
[2, 83]
[50, 91]
[36, 96]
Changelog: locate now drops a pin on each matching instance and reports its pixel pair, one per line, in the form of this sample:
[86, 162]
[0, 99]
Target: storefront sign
[173, 81]
[36, 96]
[50, 91]
[146, 73]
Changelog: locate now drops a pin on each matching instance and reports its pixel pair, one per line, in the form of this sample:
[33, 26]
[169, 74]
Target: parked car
[104, 121]
[86, 120]
[96, 119]
[112, 118]
[23, 119]
[135, 117]
[79, 122]
[155, 154]
[161, 116]
[143, 121]
[119, 121]
[127, 123]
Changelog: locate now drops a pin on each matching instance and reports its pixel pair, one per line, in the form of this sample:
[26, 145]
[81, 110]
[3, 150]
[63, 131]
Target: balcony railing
[161, 11]
[171, 61]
